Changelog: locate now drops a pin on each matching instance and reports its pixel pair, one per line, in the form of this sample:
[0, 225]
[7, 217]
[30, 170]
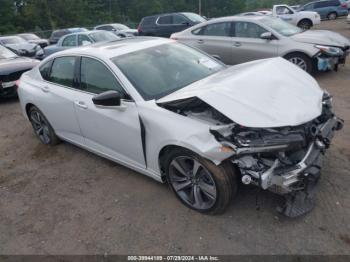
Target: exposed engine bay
[285, 160]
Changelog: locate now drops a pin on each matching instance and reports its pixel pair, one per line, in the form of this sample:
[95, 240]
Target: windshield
[5, 53]
[120, 27]
[29, 37]
[194, 17]
[13, 40]
[103, 36]
[158, 71]
[281, 26]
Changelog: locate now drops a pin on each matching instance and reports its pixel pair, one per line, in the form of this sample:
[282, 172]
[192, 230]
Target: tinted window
[334, 2]
[45, 70]
[161, 70]
[147, 21]
[84, 40]
[165, 20]
[105, 27]
[97, 78]
[248, 30]
[179, 20]
[217, 29]
[322, 4]
[62, 71]
[70, 41]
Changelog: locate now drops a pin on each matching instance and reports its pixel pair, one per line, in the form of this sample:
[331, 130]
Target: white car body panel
[89, 130]
[289, 100]
[296, 16]
[322, 37]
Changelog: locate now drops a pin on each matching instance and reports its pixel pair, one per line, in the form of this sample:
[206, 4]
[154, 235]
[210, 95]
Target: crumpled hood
[322, 37]
[261, 94]
[8, 66]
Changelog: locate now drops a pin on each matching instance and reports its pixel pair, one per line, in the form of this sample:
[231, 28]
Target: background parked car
[11, 69]
[118, 29]
[328, 9]
[241, 39]
[78, 39]
[57, 34]
[166, 24]
[20, 46]
[33, 38]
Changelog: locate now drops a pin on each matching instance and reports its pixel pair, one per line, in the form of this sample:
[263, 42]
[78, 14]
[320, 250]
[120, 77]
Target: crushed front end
[329, 58]
[284, 160]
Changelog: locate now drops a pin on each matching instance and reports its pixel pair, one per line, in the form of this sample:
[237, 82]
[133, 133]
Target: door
[113, 132]
[286, 14]
[216, 40]
[248, 45]
[58, 94]
[323, 8]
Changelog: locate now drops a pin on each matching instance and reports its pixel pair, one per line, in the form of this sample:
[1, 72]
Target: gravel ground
[64, 200]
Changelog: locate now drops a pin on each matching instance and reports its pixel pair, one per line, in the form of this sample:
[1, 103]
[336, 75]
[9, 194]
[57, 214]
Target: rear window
[62, 71]
[148, 21]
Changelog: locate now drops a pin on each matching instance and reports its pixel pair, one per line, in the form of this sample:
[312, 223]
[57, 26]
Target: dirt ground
[64, 200]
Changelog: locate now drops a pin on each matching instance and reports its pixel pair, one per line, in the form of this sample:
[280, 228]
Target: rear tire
[305, 24]
[332, 16]
[42, 127]
[301, 60]
[198, 183]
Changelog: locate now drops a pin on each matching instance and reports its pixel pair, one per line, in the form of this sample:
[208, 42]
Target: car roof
[173, 13]
[238, 17]
[116, 48]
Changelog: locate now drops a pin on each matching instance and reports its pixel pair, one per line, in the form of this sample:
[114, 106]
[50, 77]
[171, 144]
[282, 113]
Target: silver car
[241, 39]
[178, 115]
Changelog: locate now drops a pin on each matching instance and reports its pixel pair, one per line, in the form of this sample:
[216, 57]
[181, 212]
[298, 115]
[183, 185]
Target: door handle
[81, 104]
[45, 89]
[201, 41]
[237, 44]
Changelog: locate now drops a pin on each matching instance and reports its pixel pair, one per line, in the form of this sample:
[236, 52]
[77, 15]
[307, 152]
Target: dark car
[76, 40]
[118, 29]
[327, 9]
[33, 38]
[165, 25]
[57, 34]
[11, 69]
[20, 46]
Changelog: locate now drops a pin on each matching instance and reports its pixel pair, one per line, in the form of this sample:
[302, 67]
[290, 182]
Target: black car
[20, 46]
[165, 25]
[33, 38]
[57, 34]
[11, 69]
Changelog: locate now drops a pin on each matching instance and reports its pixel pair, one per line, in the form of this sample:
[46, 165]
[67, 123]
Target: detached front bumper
[327, 61]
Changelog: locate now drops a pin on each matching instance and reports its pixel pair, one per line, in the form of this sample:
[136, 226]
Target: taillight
[344, 5]
[139, 29]
[17, 83]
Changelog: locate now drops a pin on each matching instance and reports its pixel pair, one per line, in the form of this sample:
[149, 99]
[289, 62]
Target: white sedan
[178, 115]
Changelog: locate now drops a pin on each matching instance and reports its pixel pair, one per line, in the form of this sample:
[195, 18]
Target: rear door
[113, 132]
[248, 45]
[57, 97]
[323, 8]
[215, 39]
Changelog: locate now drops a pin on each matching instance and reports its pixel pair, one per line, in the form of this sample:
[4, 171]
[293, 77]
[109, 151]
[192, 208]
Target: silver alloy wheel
[299, 62]
[40, 126]
[192, 182]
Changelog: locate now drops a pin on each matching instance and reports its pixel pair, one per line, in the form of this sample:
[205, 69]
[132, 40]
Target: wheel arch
[27, 108]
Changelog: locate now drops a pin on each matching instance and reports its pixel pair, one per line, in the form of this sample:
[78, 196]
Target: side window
[165, 20]
[45, 70]
[248, 30]
[62, 71]
[308, 7]
[335, 3]
[84, 40]
[97, 78]
[283, 10]
[198, 31]
[179, 20]
[70, 41]
[218, 29]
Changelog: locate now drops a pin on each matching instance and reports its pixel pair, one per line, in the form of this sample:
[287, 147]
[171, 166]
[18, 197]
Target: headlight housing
[330, 50]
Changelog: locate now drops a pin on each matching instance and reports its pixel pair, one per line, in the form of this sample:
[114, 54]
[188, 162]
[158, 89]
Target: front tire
[42, 127]
[301, 60]
[305, 24]
[198, 183]
[332, 16]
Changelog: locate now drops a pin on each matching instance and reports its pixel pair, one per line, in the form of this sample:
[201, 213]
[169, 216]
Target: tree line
[18, 16]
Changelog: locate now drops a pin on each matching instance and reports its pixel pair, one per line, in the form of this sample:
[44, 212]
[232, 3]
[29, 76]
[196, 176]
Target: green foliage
[36, 15]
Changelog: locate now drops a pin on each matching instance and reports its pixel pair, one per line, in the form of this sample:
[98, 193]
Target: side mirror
[108, 99]
[266, 36]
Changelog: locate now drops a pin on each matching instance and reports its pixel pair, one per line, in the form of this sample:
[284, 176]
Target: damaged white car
[175, 114]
